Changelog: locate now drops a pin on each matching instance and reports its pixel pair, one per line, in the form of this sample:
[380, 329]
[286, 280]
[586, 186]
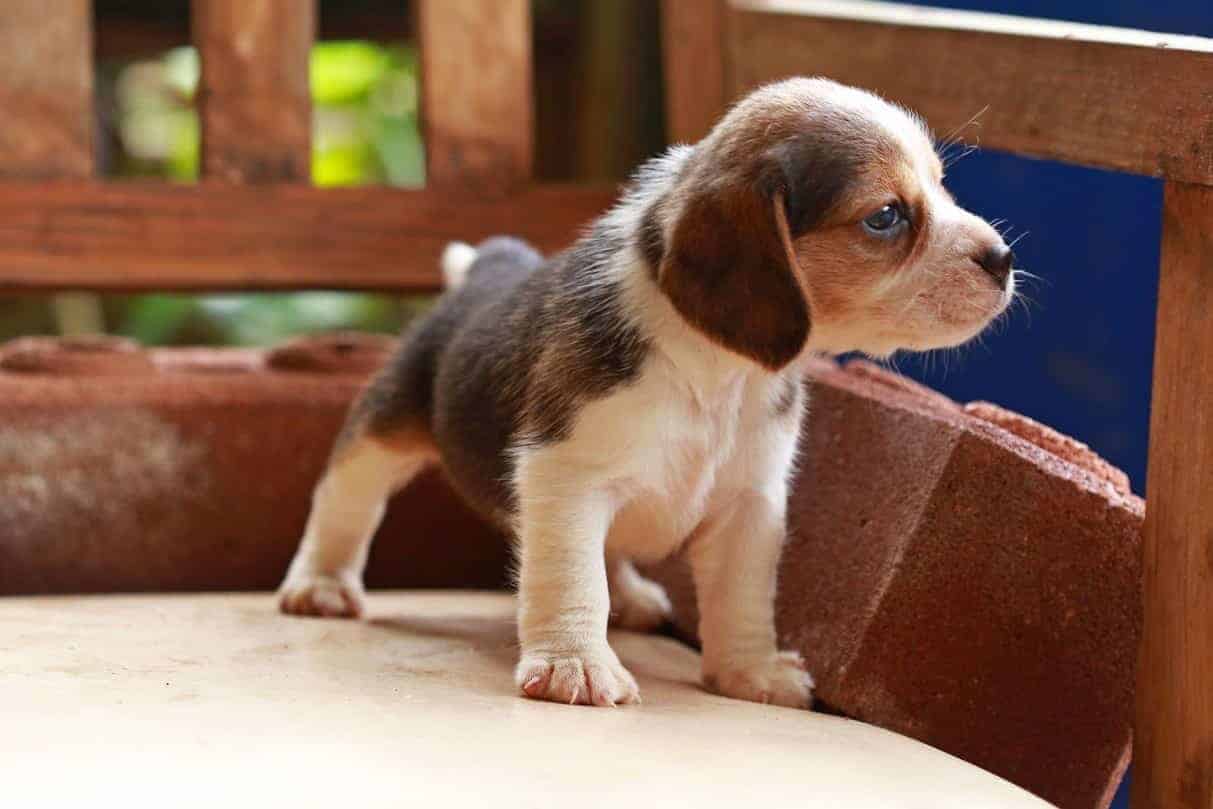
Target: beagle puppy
[640, 394]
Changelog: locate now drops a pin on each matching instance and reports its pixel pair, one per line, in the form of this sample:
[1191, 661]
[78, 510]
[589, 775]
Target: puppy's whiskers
[1022, 301]
[954, 137]
[954, 158]
[1020, 273]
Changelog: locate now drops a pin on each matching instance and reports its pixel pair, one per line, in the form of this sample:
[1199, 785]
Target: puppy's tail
[457, 259]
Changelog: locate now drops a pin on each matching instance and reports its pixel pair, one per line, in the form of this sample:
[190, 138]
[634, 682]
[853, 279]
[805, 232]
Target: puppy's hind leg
[637, 603]
[385, 443]
[325, 577]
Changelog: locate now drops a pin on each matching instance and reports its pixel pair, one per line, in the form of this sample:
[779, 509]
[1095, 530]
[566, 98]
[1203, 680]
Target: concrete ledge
[219, 700]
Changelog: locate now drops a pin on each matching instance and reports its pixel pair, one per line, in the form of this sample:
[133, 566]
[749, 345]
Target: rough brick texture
[192, 469]
[965, 576]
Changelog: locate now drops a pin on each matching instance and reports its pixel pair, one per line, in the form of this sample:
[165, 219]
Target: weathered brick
[964, 576]
[192, 469]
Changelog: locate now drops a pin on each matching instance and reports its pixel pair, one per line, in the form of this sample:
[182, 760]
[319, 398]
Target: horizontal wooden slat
[476, 91]
[46, 89]
[253, 97]
[1115, 98]
[127, 236]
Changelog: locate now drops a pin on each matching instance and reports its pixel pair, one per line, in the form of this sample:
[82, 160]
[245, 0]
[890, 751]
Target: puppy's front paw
[588, 677]
[778, 679]
[324, 595]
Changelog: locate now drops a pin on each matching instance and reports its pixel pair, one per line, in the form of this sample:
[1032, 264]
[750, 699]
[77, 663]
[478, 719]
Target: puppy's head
[814, 215]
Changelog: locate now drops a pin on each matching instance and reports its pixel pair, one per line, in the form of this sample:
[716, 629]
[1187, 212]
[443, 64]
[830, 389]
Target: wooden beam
[253, 98]
[1115, 98]
[1173, 748]
[129, 236]
[46, 89]
[696, 66]
[476, 102]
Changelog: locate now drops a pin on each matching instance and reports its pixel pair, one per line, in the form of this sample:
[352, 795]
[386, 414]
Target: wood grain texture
[1173, 753]
[1113, 98]
[125, 236]
[476, 103]
[253, 98]
[696, 68]
[46, 89]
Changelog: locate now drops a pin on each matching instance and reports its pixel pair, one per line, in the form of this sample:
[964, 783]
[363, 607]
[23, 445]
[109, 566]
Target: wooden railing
[253, 222]
[1128, 100]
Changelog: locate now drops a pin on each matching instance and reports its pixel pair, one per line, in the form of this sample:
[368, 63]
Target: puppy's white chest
[689, 444]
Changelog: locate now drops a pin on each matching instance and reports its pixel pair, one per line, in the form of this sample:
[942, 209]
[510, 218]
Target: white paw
[778, 679]
[588, 677]
[329, 596]
[641, 606]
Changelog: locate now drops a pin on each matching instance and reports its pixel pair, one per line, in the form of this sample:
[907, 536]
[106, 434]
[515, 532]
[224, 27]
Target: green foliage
[365, 131]
[254, 320]
[346, 72]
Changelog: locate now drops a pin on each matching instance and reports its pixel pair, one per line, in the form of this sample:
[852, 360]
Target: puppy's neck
[705, 368]
[703, 365]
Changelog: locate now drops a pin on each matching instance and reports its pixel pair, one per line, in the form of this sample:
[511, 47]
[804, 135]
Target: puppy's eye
[886, 222]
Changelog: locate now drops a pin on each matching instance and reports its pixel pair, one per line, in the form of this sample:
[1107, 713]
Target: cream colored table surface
[217, 700]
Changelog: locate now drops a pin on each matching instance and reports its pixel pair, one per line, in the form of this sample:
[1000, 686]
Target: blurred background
[590, 57]
[1076, 355]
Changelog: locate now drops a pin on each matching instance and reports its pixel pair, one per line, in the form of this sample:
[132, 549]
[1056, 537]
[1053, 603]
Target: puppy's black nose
[997, 262]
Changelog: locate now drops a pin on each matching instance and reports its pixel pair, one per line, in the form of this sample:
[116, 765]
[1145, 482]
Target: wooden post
[696, 69]
[1173, 748]
[254, 98]
[46, 89]
[476, 101]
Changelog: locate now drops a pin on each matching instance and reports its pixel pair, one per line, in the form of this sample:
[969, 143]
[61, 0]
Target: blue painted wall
[1081, 362]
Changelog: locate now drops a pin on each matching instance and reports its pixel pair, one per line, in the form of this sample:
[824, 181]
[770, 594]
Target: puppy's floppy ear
[730, 270]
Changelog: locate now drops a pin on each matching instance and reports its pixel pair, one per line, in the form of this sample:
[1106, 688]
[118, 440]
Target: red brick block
[964, 576]
[192, 469]
[961, 575]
